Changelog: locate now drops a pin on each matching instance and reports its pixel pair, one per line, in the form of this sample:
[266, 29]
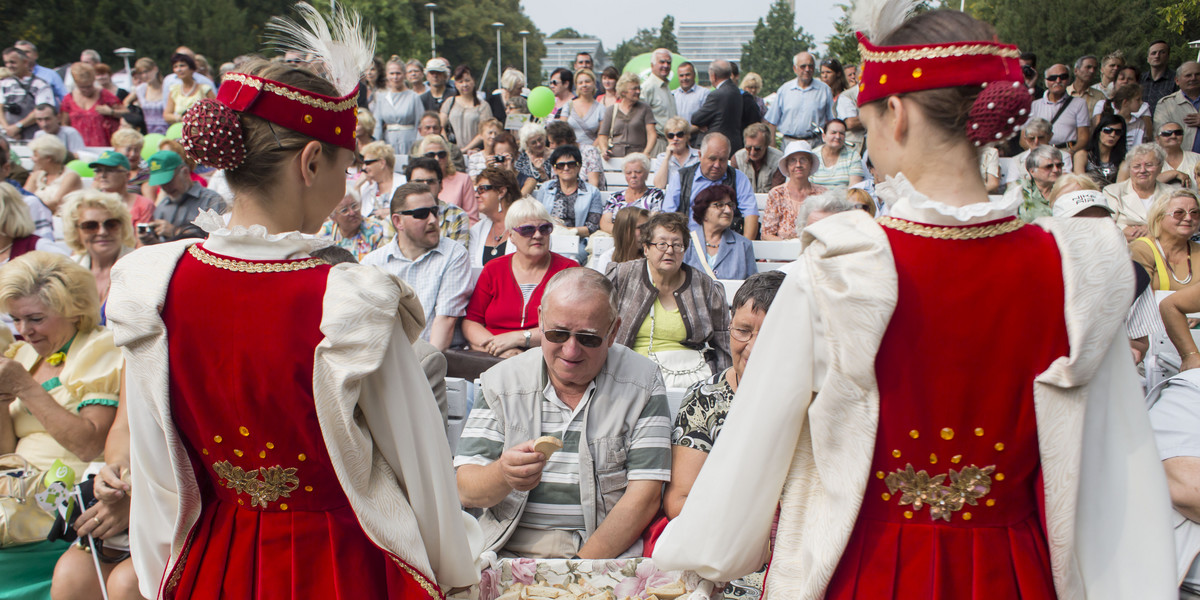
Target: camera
[145, 229]
[13, 108]
[1028, 72]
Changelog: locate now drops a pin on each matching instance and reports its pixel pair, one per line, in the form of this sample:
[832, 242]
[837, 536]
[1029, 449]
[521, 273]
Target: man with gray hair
[722, 109]
[1034, 133]
[590, 490]
[713, 169]
[820, 206]
[1085, 74]
[657, 93]
[46, 74]
[803, 105]
[1045, 165]
[21, 91]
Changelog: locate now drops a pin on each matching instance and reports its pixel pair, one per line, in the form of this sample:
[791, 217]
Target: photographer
[22, 91]
[183, 202]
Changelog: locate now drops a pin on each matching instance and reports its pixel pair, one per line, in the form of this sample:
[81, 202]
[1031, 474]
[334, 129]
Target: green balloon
[81, 167]
[150, 145]
[175, 131]
[541, 102]
[640, 65]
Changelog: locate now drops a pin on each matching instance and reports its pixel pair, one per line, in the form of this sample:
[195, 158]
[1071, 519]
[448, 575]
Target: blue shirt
[798, 111]
[745, 191]
[734, 259]
[51, 77]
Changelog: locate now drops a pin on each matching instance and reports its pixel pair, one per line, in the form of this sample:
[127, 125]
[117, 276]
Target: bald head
[576, 286]
[719, 70]
[1187, 77]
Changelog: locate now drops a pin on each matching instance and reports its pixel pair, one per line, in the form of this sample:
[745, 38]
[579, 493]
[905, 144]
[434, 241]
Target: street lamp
[125, 53]
[432, 36]
[524, 53]
[499, 65]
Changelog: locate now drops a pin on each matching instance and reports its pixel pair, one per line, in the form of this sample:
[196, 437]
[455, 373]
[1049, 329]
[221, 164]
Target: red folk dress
[275, 522]
[953, 506]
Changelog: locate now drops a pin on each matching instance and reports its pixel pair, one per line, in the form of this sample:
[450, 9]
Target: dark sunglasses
[1170, 133]
[529, 230]
[675, 134]
[94, 226]
[1111, 130]
[486, 187]
[1056, 77]
[372, 161]
[560, 336]
[553, 82]
[420, 214]
[570, 164]
[438, 154]
[424, 181]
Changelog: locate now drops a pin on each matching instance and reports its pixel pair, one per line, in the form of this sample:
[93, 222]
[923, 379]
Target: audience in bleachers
[784, 201]
[719, 250]
[1133, 197]
[636, 169]
[496, 189]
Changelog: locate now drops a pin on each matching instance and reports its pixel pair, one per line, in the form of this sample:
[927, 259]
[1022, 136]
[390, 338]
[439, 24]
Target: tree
[842, 44]
[645, 41]
[666, 35]
[774, 44]
[567, 33]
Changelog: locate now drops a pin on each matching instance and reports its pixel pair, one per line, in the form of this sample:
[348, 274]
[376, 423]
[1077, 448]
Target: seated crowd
[473, 217]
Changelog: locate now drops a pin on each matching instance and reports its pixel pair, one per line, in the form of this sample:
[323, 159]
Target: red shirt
[95, 129]
[497, 302]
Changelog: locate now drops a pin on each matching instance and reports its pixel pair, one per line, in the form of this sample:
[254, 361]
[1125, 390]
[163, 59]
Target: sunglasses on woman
[371, 162]
[529, 230]
[1170, 132]
[562, 166]
[1111, 130]
[94, 226]
[420, 214]
[438, 154]
[674, 134]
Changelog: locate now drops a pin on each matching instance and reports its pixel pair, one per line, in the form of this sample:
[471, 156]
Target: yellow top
[669, 331]
[91, 375]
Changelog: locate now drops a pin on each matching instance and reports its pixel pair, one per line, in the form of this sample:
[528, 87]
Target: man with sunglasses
[452, 220]
[606, 403]
[1181, 106]
[112, 176]
[437, 268]
[759, 158]
[1068, 116]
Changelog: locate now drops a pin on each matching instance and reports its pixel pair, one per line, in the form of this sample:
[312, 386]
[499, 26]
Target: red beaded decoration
[998, 111]
[213, 136]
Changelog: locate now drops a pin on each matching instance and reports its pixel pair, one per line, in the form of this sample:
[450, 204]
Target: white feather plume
[338, 47]
[878, 18]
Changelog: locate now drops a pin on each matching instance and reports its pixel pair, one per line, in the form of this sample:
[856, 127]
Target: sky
[614, 21]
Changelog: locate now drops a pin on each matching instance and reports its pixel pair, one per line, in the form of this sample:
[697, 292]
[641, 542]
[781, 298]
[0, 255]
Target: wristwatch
[528, 336]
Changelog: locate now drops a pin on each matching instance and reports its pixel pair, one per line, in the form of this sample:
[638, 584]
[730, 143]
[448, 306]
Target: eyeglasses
[486, 187]
[1170, 132]
[1111, 130]
[438, 154]
[430, 181]
[562, 166]
[675, 134]
[742, 335]
[1179, 214]
[420, 214]
[528, 230]
[585, 339]
[294, 61]
[371, 161]
[722, 204]
[349, 209]
[94, 226]
[1057, 77]
[553, 82]
[664, 246]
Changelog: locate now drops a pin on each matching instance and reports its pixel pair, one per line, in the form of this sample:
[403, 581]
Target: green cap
[162, 166]
[110, 159]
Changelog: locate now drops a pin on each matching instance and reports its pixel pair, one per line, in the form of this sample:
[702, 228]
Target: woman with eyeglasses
[584, 113]
[99, 231]
[678, 153]
[1167, 252]
[672, 313]
[628, 125]
[838, 164]
[784, 201]
[457, 187]
[502, 316]
[1178, 159]
[637, 194]
[1133, 197]
[1105, 150]
[496, 189]
[348, 229]
[398, 109]
[570, 200]
[563, 85]
[378, 179]
[725, 254]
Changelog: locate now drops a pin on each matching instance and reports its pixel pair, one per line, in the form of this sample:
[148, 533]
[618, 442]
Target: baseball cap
[163, 165]
[438, 64]
[1069, 205]
[110, 159]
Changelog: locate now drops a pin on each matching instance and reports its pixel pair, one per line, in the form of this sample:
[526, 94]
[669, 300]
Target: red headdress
[1001, 107]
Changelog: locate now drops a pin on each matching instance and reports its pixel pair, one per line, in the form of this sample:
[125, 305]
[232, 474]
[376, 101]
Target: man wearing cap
[183, 202]
[46, 117]
[112, 176]
[437, 73]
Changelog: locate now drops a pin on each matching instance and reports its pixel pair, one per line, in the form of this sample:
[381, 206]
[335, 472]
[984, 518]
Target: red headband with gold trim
[330, 120]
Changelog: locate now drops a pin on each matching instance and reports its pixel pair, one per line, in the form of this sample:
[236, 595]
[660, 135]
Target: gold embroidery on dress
[422, 580]
[292, 95]
[919, 489]
[952, 233]
[241, 266]
[277, 482]
[936, 52]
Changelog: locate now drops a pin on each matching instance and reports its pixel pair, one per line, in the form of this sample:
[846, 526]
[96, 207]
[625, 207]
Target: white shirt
[688, 102]
[441, 277]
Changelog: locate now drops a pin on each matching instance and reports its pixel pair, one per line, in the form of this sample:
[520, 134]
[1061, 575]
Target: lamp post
[125, 53]
[432, 35]
[524, 53]
[499, 65]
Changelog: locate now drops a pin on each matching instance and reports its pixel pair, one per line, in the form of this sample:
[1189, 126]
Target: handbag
[22, 521]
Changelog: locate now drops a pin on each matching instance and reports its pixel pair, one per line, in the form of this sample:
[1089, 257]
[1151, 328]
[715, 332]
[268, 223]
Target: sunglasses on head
[1056, 77]
[1111, 130]
[529, 230]
[1170, 132]
[93, 226]
[438, 154]
[420, 214]
[560, 336]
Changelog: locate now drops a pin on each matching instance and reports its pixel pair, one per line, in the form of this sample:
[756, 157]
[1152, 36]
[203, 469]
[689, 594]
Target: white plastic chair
[457, 391]
[731, 287]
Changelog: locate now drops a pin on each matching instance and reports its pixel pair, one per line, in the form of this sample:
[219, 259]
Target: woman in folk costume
[285, 443]
[997, 445]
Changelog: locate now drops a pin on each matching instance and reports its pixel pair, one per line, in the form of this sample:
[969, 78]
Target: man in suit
[723, 109]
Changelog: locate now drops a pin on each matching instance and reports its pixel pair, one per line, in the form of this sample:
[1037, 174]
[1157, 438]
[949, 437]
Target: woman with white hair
[51, 180]
[637, 194]
[819, 206]
[512, 85]
[1133, 197]
[349, 229]
[531, 162]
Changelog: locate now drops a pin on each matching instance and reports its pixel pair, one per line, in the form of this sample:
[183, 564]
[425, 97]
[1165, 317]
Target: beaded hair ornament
[340, 52]
[1002, 106]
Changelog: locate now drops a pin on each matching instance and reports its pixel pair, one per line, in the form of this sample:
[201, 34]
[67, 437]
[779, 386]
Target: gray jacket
[626, 383]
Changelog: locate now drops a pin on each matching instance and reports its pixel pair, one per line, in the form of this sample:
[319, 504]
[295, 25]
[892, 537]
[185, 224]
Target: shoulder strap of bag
[1160, 267]
[1062, 109]
[699, 247]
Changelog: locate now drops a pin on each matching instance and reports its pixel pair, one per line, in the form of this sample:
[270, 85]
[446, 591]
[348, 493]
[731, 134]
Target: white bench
[614, 165]
[776, 251]
[761, 199]
[616, 179]
[731, 287]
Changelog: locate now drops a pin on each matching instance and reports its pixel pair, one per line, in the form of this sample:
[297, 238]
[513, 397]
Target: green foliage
[567, 33]
[775, 42]
[666, 35]
[645, 41]
[842, 44]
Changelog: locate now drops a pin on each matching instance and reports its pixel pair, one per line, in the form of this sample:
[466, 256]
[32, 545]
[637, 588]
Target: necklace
[1171, 268]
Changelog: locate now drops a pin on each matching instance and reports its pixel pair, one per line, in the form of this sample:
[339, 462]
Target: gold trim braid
[292, 95]
[952, 233]
[936, 52]
[241, 266]
[422, 580]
